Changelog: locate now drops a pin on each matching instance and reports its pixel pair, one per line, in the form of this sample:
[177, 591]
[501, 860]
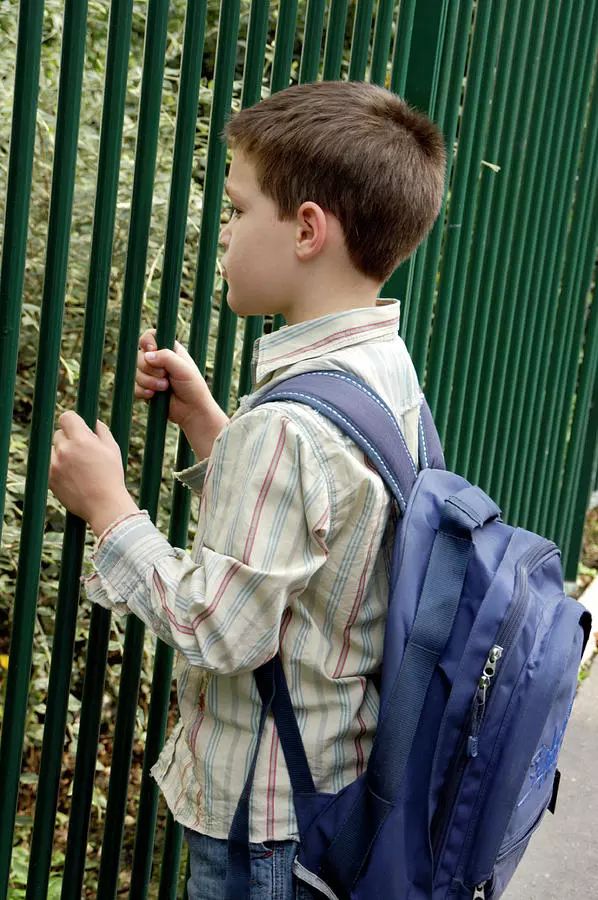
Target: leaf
[29, 778]
[490, 165]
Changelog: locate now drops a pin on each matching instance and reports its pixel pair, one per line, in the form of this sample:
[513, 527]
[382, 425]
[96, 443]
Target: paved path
[562, 858]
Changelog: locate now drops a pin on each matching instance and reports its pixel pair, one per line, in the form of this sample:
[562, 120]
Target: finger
[143, 393]
[182, 351]
[144, 366]
[177, 365]
[148, 382]
[147, 341]
[52, 463]
[70, 422]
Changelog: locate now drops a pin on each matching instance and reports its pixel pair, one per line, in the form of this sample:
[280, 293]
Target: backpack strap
[361, 414]
[430, 448]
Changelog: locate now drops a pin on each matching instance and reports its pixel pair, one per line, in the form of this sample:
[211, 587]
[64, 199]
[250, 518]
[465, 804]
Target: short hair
[360, 152]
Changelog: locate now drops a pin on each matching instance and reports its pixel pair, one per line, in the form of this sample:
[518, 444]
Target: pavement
[562, 857]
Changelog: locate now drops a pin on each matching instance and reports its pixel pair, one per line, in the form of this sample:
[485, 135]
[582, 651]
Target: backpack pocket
[509, 858]
[506, 786]
[518, 784]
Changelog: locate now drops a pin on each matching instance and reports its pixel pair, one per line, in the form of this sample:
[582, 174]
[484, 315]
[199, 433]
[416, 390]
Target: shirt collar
[320, 337]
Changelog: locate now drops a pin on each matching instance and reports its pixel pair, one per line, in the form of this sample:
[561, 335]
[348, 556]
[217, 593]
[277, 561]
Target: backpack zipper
[479, 701]
[467, 747]
[479, 892]
[468, 742]
[526, 566]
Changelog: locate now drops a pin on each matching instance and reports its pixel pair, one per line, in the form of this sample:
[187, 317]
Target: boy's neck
[315, 307]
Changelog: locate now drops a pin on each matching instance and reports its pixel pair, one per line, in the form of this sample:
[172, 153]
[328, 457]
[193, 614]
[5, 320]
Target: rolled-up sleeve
[194, 476]
[263, 523]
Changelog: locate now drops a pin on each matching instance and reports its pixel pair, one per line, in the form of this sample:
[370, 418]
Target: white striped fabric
[291, 553]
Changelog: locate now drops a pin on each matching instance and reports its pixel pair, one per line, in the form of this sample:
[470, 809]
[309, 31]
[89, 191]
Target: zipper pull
[479, 702]
[479, 892]
[490, 664]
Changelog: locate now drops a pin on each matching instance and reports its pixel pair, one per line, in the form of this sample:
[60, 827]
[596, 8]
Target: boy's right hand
[190, 395]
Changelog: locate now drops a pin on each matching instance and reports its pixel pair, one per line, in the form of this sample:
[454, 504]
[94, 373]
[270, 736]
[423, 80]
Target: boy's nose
[224, 236]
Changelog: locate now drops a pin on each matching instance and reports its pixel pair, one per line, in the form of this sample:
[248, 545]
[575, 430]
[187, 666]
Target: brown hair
[358, 151]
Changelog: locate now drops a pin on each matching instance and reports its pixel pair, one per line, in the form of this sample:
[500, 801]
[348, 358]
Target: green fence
[497, 308]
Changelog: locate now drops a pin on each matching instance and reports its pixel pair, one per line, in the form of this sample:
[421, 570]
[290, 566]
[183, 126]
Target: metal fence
[497, 310]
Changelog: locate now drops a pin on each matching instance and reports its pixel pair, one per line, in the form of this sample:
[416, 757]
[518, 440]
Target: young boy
[333, 185]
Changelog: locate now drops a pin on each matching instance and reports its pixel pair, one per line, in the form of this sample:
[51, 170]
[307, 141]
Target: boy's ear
[311, 231]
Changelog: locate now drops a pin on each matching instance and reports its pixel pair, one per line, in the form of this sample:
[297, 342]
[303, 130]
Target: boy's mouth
[221, 269]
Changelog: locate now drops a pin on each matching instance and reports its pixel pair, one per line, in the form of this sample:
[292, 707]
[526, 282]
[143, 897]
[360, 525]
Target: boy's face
[258, 262]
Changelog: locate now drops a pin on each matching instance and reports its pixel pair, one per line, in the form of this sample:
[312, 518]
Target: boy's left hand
[86, 472]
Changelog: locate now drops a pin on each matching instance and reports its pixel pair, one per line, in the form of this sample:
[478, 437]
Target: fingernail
[151, 356]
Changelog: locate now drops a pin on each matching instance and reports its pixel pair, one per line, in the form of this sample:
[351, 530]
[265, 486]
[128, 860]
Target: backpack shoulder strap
[360, 413]
[430, 448]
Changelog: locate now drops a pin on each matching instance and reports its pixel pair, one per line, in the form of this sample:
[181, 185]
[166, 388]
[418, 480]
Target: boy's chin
[247, 308]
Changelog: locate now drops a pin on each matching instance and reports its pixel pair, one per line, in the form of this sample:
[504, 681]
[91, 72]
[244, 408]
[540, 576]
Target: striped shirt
[291, 554]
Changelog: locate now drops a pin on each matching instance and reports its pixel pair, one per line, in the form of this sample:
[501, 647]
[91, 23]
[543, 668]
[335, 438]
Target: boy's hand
[191, 405]
[175, 369]
[86, 472]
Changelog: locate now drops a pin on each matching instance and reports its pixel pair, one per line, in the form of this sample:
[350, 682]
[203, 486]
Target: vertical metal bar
[213, 185]
[18, 195]
[446, 113]
[476, 304]
[93, 685]
[191, 63]
[545, 281]
[310, 61]
[382, 38]
[474, 125]
[42, 424]
[285, 38]
[576, 284]
[490, 424]
[427, 33]
[252, 83]
[360, 43]
[581, 448]
[312, 41]
[559, 512]
[402, 49]
[335, 39]
[283, 57]
[501, 224]
[187, 876]
[171, 860]
[579, 500]
[532, 329]
[87, 405]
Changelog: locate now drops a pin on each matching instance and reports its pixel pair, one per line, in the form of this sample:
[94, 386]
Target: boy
[333, 185]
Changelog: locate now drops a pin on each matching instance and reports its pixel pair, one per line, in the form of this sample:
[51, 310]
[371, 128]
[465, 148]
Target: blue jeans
[271, 869]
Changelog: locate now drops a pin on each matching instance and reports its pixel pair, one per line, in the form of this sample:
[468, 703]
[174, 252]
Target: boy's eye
[233, 211]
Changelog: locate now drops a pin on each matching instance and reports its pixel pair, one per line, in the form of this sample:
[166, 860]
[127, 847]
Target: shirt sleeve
[263, 523]
[194, 476]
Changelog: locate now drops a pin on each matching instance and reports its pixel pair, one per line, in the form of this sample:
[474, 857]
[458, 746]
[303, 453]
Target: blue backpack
[479, 673]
